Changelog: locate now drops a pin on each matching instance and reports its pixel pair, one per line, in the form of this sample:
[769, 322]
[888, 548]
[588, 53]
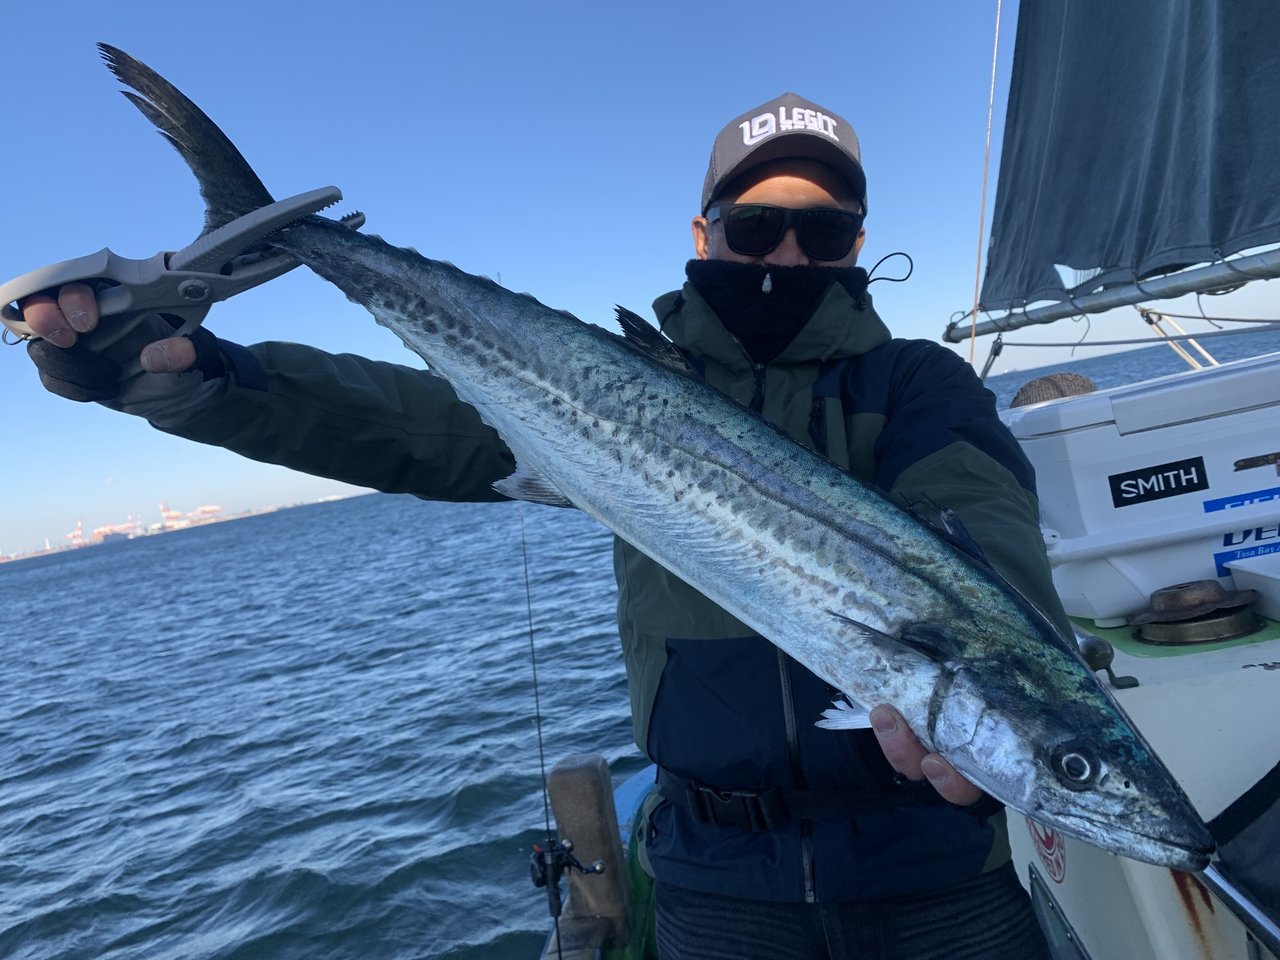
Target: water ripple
[324, 748]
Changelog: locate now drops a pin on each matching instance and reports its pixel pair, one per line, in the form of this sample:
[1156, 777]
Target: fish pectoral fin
[845, 714]
[891, 647]
[933, 642]
[529, 485]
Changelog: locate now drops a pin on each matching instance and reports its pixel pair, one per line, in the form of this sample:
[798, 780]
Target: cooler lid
[1179, 398]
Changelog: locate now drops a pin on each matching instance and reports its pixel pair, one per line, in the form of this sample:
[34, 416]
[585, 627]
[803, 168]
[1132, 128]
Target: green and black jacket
[712, 702]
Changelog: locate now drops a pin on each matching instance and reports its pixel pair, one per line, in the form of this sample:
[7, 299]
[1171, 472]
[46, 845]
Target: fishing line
[533, 665]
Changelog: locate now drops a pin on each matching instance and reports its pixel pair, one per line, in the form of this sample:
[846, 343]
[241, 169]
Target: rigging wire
[1088, 328]
[1157, 319]
[1200, 307]
[960, 316]
[986, 166]
[997, 347]
[1146, 341]
[1201, 316]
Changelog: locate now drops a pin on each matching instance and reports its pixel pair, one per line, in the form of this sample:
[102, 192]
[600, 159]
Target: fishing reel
[546, 867]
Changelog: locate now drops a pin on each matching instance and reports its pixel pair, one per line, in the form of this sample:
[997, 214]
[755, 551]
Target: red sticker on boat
[1052, 848]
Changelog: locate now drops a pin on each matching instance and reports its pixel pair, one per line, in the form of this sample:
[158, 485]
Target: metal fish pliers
[182, 284]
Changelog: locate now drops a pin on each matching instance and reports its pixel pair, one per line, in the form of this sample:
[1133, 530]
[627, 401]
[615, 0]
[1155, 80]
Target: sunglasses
[753, 229]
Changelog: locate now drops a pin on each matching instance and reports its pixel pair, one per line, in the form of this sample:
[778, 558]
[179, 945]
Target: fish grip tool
[179, 286]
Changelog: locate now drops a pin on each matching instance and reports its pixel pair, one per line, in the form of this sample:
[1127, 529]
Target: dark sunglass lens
[753, 230]
[828, 234]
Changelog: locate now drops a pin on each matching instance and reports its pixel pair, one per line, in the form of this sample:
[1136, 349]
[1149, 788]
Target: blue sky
[559, 147]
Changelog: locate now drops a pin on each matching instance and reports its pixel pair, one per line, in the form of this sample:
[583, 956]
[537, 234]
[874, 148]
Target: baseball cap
[787, 126]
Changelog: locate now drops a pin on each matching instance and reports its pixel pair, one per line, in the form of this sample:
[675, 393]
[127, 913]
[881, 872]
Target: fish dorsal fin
[529, 485]
[949, 524]
[955, 529]
[649, 340]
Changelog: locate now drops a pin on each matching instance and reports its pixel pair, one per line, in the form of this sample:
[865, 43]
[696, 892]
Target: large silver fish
[865, 595]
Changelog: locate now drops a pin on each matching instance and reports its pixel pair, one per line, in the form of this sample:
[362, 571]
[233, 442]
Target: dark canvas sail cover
[1141, 136]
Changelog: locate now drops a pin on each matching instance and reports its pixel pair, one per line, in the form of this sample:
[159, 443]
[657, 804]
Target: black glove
[75, 372]
[78, 373]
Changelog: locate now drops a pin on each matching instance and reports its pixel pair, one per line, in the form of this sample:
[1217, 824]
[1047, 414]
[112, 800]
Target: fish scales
[866, 595]
[744, 490]
[711, 463]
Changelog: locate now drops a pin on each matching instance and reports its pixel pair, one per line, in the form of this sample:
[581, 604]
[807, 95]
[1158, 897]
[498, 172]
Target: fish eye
[1073, 767]
[1076, 767]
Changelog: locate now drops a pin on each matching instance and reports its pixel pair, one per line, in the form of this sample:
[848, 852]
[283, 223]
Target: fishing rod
[547, 864]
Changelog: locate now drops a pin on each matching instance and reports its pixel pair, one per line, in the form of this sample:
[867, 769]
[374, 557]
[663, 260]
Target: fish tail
[228, 184]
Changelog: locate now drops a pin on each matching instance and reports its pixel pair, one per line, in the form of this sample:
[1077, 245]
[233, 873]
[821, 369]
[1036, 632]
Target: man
[770, 837]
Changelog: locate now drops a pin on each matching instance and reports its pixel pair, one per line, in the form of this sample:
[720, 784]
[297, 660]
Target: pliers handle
[183, 284]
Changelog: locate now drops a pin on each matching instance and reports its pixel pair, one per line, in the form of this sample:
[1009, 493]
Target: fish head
[1077, 765]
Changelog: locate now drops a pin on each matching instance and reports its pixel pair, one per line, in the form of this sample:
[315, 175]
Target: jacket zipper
[797, 772]
[757, 393]
[788, 700]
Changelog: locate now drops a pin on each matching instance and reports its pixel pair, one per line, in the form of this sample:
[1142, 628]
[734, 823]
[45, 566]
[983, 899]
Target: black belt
[768, 809]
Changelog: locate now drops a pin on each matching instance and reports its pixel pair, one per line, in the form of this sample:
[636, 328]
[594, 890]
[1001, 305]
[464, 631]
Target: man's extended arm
[348, 418]
[365, 422]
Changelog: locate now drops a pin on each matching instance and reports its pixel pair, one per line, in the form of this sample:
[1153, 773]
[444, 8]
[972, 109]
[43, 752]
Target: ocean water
[302, 734]
[1132, 366]
[310, 733]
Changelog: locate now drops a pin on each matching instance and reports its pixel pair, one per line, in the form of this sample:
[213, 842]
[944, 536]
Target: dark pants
[988, 918]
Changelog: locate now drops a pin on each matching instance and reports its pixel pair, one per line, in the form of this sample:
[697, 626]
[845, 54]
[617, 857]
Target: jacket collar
[839, 327]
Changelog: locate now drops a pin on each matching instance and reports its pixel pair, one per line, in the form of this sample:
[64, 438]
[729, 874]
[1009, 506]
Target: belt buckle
[728, 808]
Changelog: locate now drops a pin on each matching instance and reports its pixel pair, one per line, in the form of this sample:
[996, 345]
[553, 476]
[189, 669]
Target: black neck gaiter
[764, 306]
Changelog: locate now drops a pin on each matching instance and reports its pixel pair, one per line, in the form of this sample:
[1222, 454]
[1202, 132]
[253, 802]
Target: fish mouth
[1190, 852]
[1192, 859]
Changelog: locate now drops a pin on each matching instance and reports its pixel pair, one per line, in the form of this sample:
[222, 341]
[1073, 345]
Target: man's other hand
[905, 754]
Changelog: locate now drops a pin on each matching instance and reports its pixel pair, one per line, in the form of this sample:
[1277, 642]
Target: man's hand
[75, 311]
[181, 376]
[906, 755]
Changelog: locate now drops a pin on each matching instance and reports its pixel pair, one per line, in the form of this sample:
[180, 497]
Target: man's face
[798, 184]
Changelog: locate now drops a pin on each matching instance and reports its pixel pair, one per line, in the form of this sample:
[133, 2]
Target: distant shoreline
[188, 523]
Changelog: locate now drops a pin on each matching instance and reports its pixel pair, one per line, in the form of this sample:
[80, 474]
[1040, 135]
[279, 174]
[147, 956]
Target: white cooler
[1155, 484]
